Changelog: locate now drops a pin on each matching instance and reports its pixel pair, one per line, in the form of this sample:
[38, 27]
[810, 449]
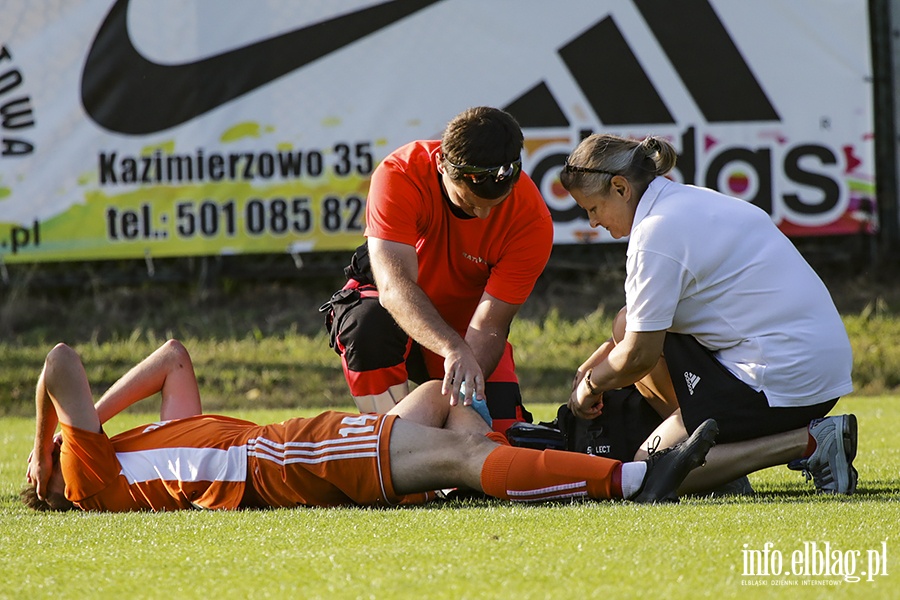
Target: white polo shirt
[717, 268]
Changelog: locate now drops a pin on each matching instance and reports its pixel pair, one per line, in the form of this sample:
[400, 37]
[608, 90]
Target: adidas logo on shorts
[692, 381]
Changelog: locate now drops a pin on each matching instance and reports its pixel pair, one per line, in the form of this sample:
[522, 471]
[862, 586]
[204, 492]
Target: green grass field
[469, 549]
[269, 370]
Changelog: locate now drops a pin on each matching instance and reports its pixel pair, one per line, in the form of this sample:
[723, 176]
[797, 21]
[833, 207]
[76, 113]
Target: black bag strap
[360, 268]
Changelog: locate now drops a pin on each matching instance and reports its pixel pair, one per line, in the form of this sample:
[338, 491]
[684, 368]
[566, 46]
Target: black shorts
[376, 353]
[707, 390]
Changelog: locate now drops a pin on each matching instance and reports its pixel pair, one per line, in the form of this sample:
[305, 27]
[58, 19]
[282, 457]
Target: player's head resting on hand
[56, 494]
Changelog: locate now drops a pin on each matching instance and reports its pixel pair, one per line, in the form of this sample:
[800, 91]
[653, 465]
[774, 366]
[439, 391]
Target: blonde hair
[600, 157]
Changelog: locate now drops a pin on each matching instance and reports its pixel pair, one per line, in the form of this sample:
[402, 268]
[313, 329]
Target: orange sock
[496, 436]
[530, 475]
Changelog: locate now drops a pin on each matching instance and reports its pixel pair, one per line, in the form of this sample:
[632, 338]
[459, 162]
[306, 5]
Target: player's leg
[62, 395]
[423, 458]
[64, 383]
[426, 405]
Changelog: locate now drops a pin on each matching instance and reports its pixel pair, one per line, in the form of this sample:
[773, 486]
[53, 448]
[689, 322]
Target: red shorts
[377, 354]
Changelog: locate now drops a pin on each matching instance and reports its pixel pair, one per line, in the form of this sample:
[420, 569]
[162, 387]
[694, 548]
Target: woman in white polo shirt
[748, 331]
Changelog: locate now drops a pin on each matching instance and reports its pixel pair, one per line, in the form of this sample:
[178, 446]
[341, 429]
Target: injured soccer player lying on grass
[190, 460]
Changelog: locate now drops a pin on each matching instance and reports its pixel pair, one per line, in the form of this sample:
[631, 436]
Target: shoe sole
[848, 440]
[850, 436]
[696, 448]
[705, 434]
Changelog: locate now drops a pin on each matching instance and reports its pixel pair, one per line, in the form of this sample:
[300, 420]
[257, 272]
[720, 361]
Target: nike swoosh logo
[124, 92]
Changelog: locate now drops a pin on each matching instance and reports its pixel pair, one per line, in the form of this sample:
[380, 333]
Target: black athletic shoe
[666, 469]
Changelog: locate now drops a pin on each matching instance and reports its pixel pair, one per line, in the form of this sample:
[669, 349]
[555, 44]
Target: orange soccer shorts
[332, 459]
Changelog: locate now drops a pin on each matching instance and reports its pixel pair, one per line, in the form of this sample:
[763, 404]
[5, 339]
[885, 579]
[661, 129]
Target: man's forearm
[488, 346]
[417, 316]
[168, 370]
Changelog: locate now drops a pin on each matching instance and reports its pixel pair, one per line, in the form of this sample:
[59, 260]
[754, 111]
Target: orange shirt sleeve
[88, 462]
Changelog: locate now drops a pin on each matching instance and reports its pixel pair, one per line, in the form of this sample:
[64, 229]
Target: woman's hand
[582, 402]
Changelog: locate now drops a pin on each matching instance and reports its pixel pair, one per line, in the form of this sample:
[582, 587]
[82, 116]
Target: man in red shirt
[190, 460]
[457, 237]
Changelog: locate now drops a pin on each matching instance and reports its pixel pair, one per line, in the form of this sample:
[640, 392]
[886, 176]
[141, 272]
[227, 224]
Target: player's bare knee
[60, 349]
[173, 345]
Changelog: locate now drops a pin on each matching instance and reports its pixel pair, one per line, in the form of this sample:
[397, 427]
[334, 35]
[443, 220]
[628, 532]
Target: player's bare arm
[168, 371]
[40, 461]
[395, 267]
[62, 395]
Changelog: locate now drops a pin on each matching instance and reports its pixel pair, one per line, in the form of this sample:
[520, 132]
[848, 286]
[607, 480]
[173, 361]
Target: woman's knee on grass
[669, 433]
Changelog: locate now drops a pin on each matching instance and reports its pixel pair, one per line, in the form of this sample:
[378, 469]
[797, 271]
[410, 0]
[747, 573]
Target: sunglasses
[479, 175]
[569, 168]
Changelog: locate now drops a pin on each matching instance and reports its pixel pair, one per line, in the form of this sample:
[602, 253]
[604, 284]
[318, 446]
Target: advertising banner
[158, 128]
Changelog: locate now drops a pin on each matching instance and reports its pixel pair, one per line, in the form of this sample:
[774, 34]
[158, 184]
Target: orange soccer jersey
[205, 462]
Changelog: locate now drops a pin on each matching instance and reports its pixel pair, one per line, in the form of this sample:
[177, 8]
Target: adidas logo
[705, 157]
[671, 25]
[692, 381]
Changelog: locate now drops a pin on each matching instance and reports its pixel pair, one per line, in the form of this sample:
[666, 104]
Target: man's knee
[504, 400]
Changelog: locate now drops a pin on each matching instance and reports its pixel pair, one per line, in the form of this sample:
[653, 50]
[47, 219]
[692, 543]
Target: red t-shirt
[459, 258]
